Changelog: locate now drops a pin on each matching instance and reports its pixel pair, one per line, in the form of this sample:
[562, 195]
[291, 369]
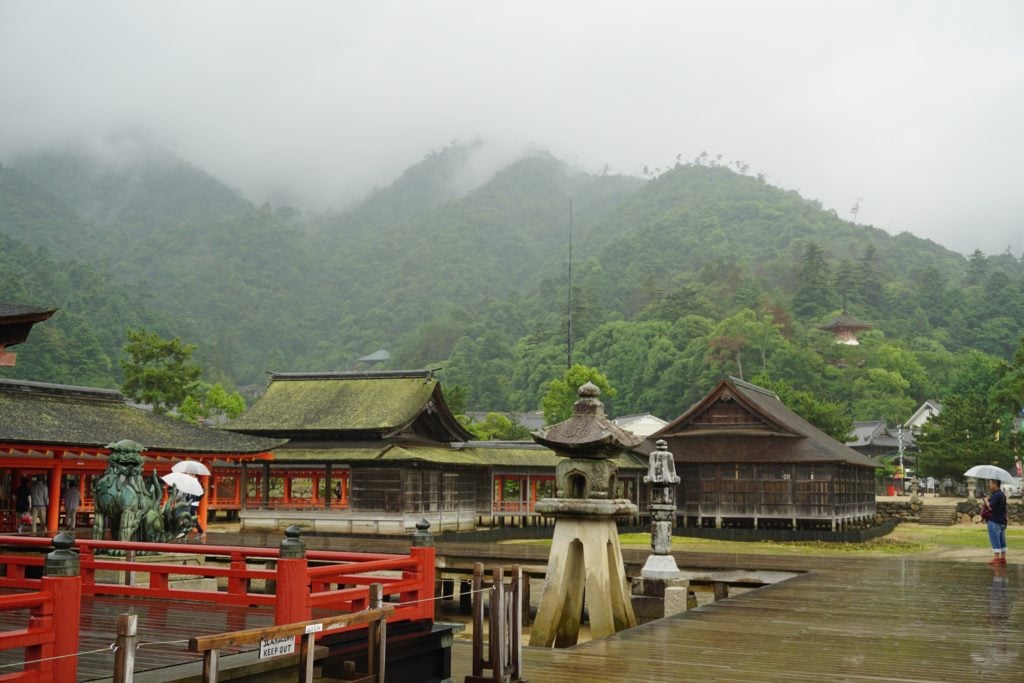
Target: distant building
[15, 323]
[925, 412]
[874, 438]
[643, 424]
[845, 327]
[378, 356]
[746, 460]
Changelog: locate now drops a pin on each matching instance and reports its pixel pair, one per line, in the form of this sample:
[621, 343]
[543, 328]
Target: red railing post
[292, 603]
[61, 578]
[423, 552]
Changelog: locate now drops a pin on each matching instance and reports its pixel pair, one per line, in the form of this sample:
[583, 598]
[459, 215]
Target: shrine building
[748, 461]
[62, 433]
[375, 452]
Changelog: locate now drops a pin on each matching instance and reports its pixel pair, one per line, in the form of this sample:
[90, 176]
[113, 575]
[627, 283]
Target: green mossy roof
[286, 455]
[333, 405]
[34, 413]
[440, 455]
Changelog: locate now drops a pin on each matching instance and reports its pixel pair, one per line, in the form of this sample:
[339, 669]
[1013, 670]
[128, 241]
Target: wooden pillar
[286, 481]
[204, 502]
[346, 482]
[53, 509]
[265, 493]
[243, 482]
[328, 486]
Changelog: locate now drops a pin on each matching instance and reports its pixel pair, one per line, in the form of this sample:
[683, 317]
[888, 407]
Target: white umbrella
[186, 483]
[190, 467]
[989, 472]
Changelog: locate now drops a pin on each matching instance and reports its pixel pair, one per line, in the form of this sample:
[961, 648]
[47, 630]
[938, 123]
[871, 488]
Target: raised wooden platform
[881, 620]
[859, 620]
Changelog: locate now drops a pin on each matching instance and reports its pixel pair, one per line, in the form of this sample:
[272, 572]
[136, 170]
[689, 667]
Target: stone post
[422, 538]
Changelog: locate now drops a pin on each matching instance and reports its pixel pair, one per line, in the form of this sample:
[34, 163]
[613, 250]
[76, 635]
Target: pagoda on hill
[844, 328]
[15, 323]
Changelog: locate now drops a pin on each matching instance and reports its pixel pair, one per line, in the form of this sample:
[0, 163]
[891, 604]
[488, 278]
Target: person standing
[995, 501]
[23, 503]
[40, 500]
[72, 500]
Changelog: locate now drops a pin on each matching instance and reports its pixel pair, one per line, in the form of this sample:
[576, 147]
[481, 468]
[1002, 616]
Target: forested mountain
[677, 280]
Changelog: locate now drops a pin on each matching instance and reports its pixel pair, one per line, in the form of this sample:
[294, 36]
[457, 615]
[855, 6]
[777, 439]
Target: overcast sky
[914, 107]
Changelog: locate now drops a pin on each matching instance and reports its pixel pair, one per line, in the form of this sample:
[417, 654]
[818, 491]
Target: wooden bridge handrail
[23, 600]
[254, 635]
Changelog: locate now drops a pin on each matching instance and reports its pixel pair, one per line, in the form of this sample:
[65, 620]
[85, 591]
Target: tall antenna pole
[570, 287]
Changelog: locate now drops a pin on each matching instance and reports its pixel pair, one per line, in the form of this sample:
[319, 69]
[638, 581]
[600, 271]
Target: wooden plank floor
[888, 619]
[164, 628]
[875, 620]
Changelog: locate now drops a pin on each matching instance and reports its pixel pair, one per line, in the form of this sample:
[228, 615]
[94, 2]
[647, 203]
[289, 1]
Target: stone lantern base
[585, 564]
[659, 598]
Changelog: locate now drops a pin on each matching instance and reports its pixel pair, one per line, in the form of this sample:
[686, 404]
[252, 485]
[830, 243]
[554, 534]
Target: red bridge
[49, 601]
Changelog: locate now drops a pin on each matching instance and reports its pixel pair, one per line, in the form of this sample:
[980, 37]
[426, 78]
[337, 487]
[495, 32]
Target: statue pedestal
[585, 564]
[659, 598]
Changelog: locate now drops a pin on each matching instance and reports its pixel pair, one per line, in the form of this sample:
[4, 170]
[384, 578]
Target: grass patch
[905, 539]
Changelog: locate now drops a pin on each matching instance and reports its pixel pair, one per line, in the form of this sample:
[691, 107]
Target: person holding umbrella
[995, 505]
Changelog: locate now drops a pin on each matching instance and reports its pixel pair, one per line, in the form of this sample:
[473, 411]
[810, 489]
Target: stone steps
[938, 515]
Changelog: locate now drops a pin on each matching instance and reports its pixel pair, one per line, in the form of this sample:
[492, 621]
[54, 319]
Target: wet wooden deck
[864, 620]
[888, 619]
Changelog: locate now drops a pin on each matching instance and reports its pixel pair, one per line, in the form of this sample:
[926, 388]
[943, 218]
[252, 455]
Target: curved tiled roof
[55, 415]
[769, 432]
[16, 321]
[333, 404]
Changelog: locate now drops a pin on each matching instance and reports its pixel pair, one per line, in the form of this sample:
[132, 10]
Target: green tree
[813, 295]
[211, 401]
[498, 427]
[825, 415]
[964, 434]
[455, 396]
[159, 371]
[561, 394]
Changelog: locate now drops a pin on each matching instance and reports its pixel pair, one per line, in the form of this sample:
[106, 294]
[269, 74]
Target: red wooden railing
[322, 580]
[47, 641]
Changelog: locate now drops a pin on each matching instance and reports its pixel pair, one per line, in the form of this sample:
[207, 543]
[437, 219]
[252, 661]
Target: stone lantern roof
[588, 433]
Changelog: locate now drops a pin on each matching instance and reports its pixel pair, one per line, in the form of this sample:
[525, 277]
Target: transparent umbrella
[989, 472]
[186, 483]
[190, 467]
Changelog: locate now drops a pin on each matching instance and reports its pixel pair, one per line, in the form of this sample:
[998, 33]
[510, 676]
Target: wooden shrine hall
[748, 461]
[375, 452]
[61, 432]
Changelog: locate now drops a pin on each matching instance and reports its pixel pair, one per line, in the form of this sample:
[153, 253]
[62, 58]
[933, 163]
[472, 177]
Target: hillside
[678, 279]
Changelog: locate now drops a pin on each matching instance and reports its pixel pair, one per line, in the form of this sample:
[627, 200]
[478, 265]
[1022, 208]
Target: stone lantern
[586, 560]
[660, 590]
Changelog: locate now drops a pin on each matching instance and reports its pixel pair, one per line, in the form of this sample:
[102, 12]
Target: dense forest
[693, 273]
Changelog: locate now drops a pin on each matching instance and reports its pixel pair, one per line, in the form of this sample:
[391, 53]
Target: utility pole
[569, 340]
[856, 209]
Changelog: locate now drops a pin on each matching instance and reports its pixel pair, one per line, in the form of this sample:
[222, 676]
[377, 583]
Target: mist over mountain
[462, 263]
